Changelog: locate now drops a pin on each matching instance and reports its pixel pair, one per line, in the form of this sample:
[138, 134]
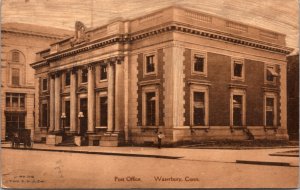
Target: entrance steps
[67, 141]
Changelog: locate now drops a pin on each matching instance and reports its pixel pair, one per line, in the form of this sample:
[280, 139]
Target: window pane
[22, 102]
[67, 111]
[103, 72]
[15, 77]
[150, 64]
[15, 56]
[45, 84]
[67, 79]
[237, 110]
[84, 75]
[103, 111]
[15, 102]
[270, 111]
[238, 67]
[199, 108]
[44, 115]
[150, 108]
[8, 101]
[199, 64]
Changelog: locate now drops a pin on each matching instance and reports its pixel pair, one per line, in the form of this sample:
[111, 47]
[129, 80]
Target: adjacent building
[190, 75]
[19, 43]
[293, 95]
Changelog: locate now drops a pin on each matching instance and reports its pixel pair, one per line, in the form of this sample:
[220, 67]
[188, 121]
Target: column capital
[90, 66]
[74, 70]
[51, 75]
[57, 73]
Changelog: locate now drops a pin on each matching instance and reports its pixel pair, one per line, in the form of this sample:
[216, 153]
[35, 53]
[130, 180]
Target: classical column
[119, 95]
[57, 102]
[91, 99]
[110, 96]
[126, 96]
[52, 103]
[73, 102]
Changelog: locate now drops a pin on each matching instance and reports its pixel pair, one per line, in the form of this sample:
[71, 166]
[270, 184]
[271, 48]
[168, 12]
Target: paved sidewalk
[205, 155]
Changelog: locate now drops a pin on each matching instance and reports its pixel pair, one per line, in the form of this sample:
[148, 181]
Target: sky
[278, 15]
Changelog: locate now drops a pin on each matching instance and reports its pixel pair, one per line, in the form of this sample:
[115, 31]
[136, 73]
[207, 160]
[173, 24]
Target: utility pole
[92, 10]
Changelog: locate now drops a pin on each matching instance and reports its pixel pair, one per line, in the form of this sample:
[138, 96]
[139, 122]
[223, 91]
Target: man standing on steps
[160, 136]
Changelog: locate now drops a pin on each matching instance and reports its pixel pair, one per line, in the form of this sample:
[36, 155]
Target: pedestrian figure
[159, 137]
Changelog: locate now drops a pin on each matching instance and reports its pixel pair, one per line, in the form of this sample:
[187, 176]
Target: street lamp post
[63, 118]
[80, 116]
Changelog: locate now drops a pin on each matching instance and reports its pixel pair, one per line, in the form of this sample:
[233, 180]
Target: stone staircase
[67, 141]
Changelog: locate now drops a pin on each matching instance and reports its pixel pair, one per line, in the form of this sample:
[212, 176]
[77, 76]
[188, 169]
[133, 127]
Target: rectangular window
[14, 100]
[150, 67]
[237, 110]
[270, 111]
[238, 69]
[45, 84]
[271, 74]
[84, 75]
[199, 108]
[103, 111]
[67, 79]
[150, 108]
[199, 64]
[15, 79]
[103, 72]
[44, 115]
[67, 112]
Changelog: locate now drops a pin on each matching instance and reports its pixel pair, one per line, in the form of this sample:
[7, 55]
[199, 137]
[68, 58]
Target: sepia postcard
[177, 94]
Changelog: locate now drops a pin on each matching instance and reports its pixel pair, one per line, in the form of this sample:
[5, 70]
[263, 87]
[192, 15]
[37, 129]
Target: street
[37, 169]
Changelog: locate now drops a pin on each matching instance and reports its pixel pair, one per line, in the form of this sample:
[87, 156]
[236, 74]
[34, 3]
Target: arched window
[16, 67]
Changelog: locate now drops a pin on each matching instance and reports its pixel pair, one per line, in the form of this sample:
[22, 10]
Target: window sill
[200, 127]
[150, 74]
[149, 82]
[232, 85]
[103, 80]
[237, 78]
[101, 127]
[203, 74]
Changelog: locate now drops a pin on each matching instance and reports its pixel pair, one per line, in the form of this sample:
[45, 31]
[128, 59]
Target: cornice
[171, 27]
[32, 34]
[39, 64]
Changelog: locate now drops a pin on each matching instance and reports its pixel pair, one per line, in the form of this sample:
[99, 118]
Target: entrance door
[14, 121]
[83, 121]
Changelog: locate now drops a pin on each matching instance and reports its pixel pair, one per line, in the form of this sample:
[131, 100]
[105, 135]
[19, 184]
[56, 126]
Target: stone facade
[187, 74]
[20, 42]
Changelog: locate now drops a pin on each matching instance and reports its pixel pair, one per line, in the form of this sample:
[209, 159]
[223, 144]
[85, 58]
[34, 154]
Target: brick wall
[254, 79]
[219, 74]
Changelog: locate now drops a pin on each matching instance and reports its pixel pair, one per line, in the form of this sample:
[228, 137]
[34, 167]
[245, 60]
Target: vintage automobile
[21, 137]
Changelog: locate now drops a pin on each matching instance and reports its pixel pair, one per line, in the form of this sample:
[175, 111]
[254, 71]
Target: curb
[99, 153]
[263, 163]
[285, 155]
[239, 148]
